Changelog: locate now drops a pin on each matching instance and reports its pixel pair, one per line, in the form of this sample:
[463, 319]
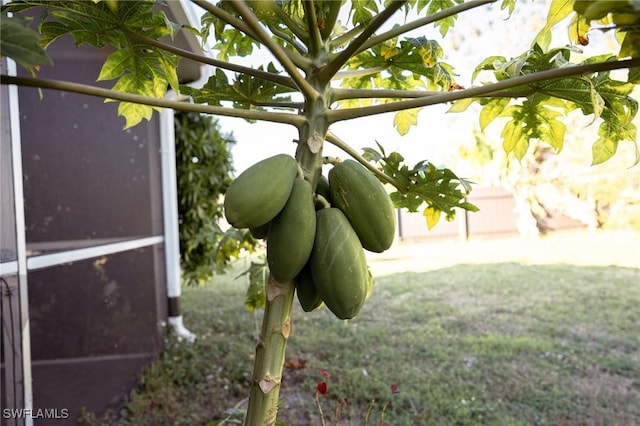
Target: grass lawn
[506, 343]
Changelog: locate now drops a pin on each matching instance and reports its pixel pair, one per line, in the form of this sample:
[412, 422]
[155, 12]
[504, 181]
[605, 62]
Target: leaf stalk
[480, 91]
[276, 117]
[278, 51]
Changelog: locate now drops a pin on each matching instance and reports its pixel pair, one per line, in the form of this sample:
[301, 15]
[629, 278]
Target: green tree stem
[474, 92]
[270, 353]
[84, 89]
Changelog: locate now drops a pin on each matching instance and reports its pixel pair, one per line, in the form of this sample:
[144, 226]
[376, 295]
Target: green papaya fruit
[338, 264]
[291, 233]
[323, 188]
[363, 199]
[259, 193]
[259, 232]
[306, 291]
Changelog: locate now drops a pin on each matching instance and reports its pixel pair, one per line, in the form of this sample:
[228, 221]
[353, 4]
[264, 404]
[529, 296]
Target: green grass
[493, 344]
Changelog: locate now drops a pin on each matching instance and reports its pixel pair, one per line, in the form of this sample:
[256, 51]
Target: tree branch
[337, 142]
[474, 92]
[84, 89]
[327, 72]
[345, 37]
[275, 78]
[401, 29]
[357, 73]
[288, 39]
[278, 51]
[242, 26]
[339, 94]
[225, 16]
[315, 39]
[293, 26]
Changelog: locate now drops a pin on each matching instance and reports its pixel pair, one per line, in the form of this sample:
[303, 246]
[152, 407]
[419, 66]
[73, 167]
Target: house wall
[95, 320]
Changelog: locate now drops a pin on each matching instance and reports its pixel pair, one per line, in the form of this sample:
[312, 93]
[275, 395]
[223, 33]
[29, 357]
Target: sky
[478, 34]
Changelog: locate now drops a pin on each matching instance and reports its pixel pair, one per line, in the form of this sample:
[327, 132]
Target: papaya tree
[335, 61]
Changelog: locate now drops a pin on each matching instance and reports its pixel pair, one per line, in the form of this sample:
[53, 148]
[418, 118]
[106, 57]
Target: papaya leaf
[461, 105]
[362, 11]
[403, 120]
[607, 143]
[244, 92]
[579, 30]
[424, 184]
[510, 5]
[447, 23]
[534, 119]
[491, 110]
[432, 216]
[233, 43]
[492, 63]
[20, 43]
[558, 10]
[258, 274]
[138, 68]
[630, 45]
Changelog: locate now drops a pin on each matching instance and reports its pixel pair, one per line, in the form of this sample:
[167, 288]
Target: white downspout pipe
[170, 218]
[170, 196]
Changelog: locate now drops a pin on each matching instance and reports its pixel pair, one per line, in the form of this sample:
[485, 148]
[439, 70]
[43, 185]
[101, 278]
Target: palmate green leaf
[414, 63]
[447, 23]
[244, 92]
[558, 10]
[141, 70]
[20, 43]
[233, 43]
[491, 110]
[403, 120]
[492, 63]
[540, 117]
[432, 216]
[214, 91]
[609, 136]
[510, 5]
[424, 184]
[534, 119]
[630, 45]
[258, 274]
[137, 67]
[608, 99]
[362, 11]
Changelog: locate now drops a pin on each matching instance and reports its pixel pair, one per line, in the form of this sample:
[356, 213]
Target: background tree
[337, 61]
[204, 171]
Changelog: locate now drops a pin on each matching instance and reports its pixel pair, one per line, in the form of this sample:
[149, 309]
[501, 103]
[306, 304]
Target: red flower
[322, 388]
[394, 388]
[324, 373]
